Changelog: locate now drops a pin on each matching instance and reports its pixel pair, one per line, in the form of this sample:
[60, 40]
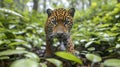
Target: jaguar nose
[59, 33]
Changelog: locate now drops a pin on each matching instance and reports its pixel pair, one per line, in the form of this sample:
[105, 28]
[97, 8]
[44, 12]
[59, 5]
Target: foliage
[25, 63]
[11, 52]
[112, 62]
[98, 31]
[68, 56]
[93, 58]
[55, 62]
[95, 34]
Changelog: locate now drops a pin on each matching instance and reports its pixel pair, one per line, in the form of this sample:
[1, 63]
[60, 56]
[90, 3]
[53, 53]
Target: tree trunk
[1, 3]
[118, 1]
[83, 4]
[72, 3]
[35, 6]
[105, 2]
[44, 6]
[19, 4]
[90, 2]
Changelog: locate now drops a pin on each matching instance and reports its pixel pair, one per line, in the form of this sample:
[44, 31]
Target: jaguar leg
[49, 50]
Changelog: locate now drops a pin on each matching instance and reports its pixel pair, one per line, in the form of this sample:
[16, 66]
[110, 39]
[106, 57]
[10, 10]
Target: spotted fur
[58, 25]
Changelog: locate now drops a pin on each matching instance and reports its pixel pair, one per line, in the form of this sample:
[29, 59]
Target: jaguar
[58, 25]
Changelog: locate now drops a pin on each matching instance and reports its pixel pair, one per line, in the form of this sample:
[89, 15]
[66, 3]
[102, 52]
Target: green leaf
[88, 44]
[117, 46]
[43, 65]
[91, 48]
[17, 43]
[10, 11]
[5, 57]
[11, 52]
[104, 25]
[2, 30]
[8, 1]
[55, 62]
[114, 28]
[112, 63]
[24, 63]
[93, 58]
[9, 35]
[68, 56]
[32, 56]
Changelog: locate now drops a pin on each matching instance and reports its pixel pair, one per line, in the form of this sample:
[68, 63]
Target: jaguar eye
[67, 21]
[53, 21]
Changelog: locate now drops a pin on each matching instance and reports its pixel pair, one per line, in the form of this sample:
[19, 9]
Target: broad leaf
[32, 56]
[93, 58]
[69, 56]
[55, 62]
[24, 63]
[5, 57]
[88, 44]
[11, 52]
[112, 63]
[43, 65]
[10, 11]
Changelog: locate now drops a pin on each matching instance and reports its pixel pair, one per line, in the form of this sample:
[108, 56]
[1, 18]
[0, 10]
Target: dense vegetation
[95, 33]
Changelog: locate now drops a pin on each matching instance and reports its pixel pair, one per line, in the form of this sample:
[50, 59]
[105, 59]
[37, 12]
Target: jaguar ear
[71, 11]
[49, 11]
